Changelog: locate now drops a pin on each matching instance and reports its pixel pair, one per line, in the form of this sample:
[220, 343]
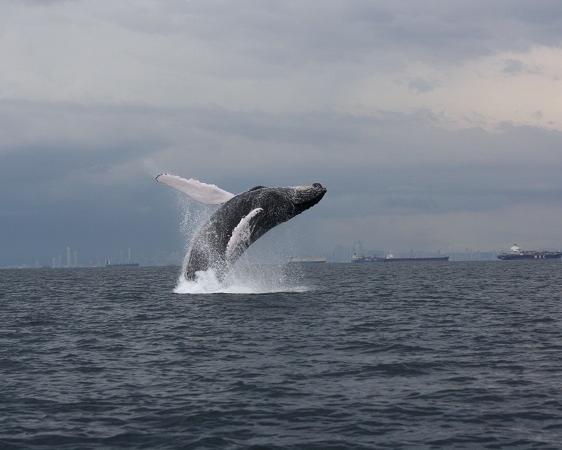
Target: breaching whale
[240, 219]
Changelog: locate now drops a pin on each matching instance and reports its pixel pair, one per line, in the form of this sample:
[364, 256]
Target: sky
[434, 125]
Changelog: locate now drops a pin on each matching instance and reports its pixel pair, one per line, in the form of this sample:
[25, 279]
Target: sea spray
[260, 270]
[193, 216]
[260, 279]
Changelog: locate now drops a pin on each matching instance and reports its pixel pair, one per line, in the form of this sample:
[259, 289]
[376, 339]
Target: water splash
[259, 281]
[256, 272]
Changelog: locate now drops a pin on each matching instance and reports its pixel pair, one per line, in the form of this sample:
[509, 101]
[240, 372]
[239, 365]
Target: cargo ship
[124, 264]
[391, 258]
[516, 253]
[360, 259]
[306, 260]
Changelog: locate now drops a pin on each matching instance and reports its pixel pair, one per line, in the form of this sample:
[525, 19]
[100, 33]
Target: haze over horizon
[433, 125]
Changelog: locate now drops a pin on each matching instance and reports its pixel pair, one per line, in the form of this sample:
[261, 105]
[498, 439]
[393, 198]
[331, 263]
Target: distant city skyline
[338, 253]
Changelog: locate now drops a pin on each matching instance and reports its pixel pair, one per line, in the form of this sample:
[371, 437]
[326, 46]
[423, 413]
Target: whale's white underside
[208, 194]
[240, 238]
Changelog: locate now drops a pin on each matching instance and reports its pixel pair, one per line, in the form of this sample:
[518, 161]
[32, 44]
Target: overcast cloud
[434, 125]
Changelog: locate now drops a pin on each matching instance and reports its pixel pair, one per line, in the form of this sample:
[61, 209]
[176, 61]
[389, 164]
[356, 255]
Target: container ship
[516, 253]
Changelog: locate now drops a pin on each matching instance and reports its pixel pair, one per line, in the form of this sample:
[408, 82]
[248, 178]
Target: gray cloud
[515, 67]
[351, 29]
[421, 86]
[301, 32]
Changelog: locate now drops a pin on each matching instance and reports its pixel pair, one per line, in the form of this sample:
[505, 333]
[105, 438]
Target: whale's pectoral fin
[240, 239]
[201, 192]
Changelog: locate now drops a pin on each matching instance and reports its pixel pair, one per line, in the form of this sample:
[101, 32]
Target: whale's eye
[317, 185]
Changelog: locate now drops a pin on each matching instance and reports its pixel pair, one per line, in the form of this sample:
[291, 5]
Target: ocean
[405, 355]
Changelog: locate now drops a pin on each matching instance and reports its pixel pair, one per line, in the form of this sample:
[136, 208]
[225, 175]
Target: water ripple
[459, 355]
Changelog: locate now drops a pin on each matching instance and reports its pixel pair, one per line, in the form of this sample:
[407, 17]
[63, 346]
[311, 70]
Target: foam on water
[255, 282]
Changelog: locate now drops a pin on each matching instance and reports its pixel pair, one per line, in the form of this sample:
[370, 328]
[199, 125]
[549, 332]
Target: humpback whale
[239, 220]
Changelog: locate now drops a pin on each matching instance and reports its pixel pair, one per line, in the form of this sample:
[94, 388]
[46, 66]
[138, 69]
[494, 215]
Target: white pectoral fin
[240, 238]
[201, 192]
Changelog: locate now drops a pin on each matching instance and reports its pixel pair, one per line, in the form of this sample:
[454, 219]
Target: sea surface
[404, 355]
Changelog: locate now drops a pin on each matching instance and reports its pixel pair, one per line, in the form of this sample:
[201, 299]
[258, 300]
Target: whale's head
[305, 197]
[280, 204]
[289, 202]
